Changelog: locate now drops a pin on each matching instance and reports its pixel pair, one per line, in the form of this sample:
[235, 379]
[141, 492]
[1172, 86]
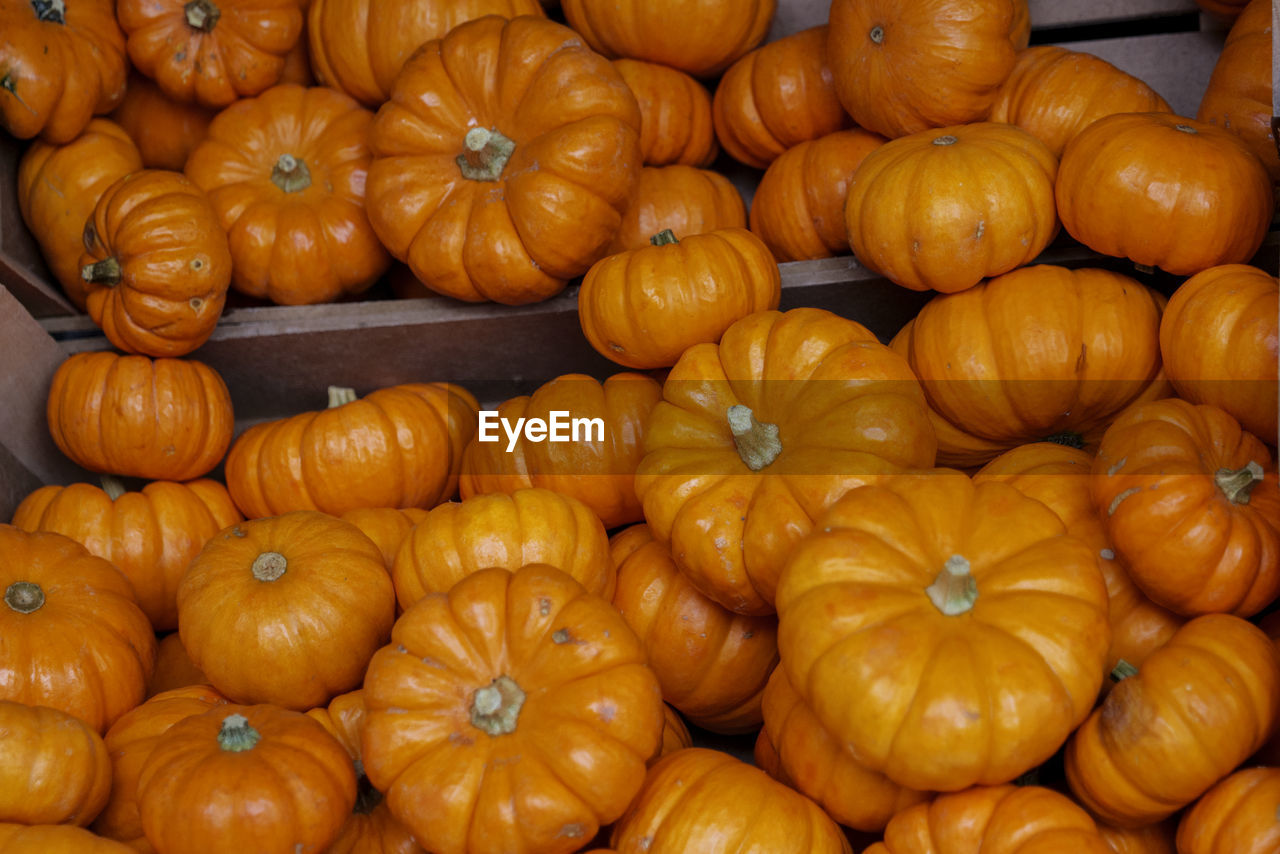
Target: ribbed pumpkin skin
[56, 839]
[1040, 351]
[814, 763]
[777, 97]
[1237, 816]
[130, 741]
[358, 46]
[1238, 96]
[1216, 211]
[1152, 839]
[164, 130]
[798, 208]
[87, 604]
[54, 769]
[704, 800]
[599, 471]
[173, 667]
[1054, 93]
[399, 446]
[1192, 504]
[1012, 819]
[902, 67]
[506, 530]
[162, 419]
[675, 735]
[386, 526]
[701, 39]
[150, 535]
[62, 64]
[712, 664]
[58, 187]
[1220, 338]
[922, 212]
[681, 198]
[675, 114]
[1199, 706]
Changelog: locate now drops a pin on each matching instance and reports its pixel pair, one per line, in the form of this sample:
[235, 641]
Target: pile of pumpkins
[1005, 583]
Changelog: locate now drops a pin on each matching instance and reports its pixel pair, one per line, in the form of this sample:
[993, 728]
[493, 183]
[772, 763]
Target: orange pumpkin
[1238, 97]
[903, 67]
[130, 741]
[173, 667]
[156, 264]
[1054, 93]
[645, 307]
[58, 187]
[515, 712]
[386, 526]
[399, 446]
[286, 173]
[54, 768]
[675, 115]
[1237, 816]
[704, 800]
[777, 97]
[757, 435]
[922, 212]
[701, 39]
[683, 199]
[359, 46]
[55, 839]
[161, 419]
[1220, 338]
[59, 602]
[1200, 705]
[1040, 352]
[798, 208]
[1192, 505]
[60, 64]
[675, 735]
[504, 160]
[1004, 611]
[1214, 205]
[164, 130]
[1060, 477]
[210, 51]
[815, 764]
[1152, 839]
[597, 467]
[507, 531]
[286, 610]
[1013, 819]
[712, 664]
[245, 778]
[150, 535]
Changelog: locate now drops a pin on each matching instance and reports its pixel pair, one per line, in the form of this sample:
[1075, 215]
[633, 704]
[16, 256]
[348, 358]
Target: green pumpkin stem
[269, 566]
[666, 237]
[340, 396]
[291, 174]
[757, 441]
[25, 597]
[485, 154]
[236, 736]
[1236, 484]
[202, 15]
[1122, 671]
[495, 708]
[112, 486]
[105, 272]
[955, 590]
[50, 11]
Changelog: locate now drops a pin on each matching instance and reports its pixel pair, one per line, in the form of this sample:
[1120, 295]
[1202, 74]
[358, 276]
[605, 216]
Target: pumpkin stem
[269, 566]
[495, 708]
[947, 139]
[367, 797]
[1067, 437]
[112, 486]
[236, 736]
[666, 237]
[1236, 484]
[106, 272]
[291, 174]
[202, 15]
[1185, 128]
[757, 441]
[485, 155]
[1145, 269]
[25, 597]
[877, 34]
[50, 11]
[955, 590]
[1122, 671]
[339, 396]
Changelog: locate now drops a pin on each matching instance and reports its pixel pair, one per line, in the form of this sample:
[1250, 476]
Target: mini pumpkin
[173, 667]
[161, 419]
[386, 526]
[1214, 205]
[55, 839]
[1238, 97]
[675, 115]
[675, 735]
[165, 130]
[286, 173]
[54, 768]
[1151, 839]
[1236, 816]
[921, 210]
[683, 199]
[538, 694]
